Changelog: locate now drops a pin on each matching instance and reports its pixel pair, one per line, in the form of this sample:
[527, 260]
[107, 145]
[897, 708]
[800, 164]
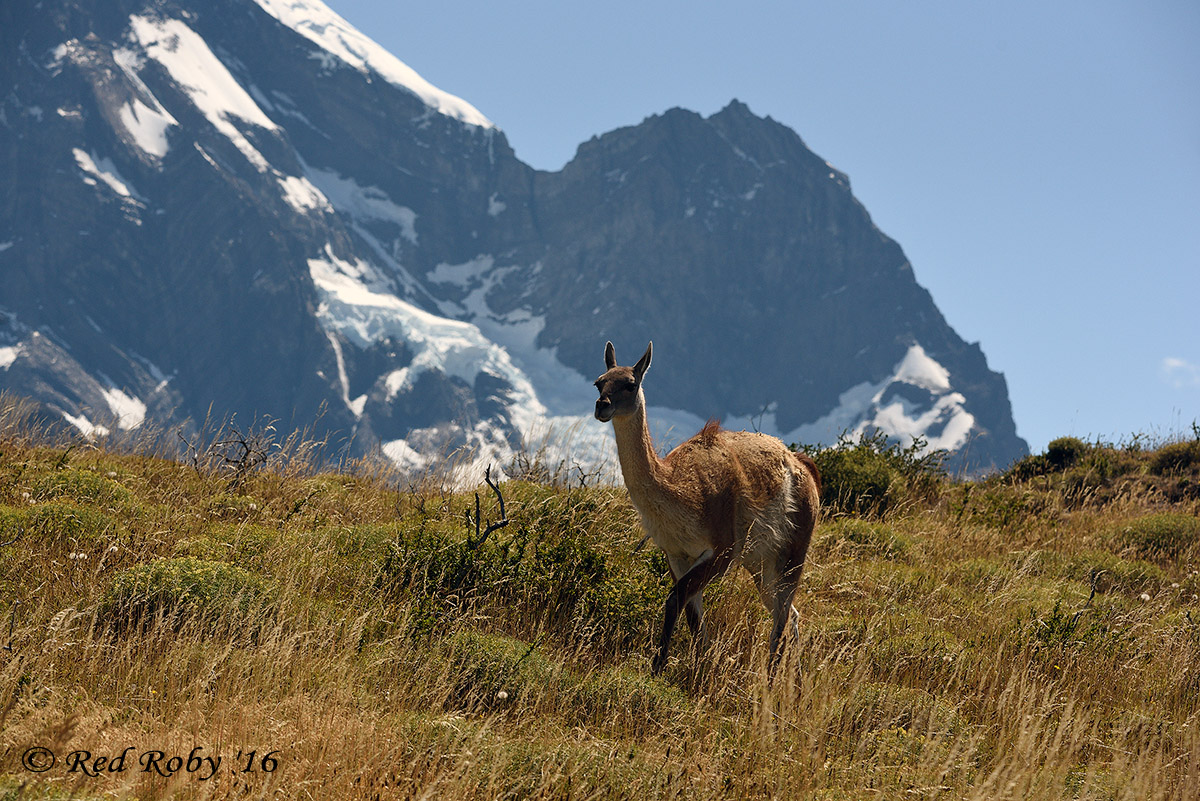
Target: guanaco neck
[640, 466]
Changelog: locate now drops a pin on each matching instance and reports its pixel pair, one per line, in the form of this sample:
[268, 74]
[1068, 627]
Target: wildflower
[502, 695]
[1145, 596]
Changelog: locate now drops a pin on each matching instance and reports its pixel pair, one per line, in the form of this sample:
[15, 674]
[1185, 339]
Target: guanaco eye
[631, 386]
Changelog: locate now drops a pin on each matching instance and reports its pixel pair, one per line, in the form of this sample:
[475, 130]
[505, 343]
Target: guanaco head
[620, 387]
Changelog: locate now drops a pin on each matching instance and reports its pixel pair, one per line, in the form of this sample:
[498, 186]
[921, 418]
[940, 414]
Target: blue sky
[1038, 162]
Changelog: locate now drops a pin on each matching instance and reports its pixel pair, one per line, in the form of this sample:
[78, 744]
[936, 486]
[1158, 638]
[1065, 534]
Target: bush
[628, 698]
[182, 589]
[484, 665]
[1165, 536]
[1108, 573]
[83, 486]
[1065, 452]
[871, 476]
[867, 538]
[79, 526]
[1179, 457]
[1060, 455]
[546, 561]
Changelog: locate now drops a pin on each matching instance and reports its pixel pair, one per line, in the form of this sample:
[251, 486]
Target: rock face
[246, 207]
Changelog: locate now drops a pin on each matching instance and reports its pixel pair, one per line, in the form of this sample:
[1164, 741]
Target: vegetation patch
[80, 486]
[568, 580]
[627, 698]
[1176, 458]
[866, 538]
[871, 476]
[75, 525]
[489, 671]
[180, 590]
[1166, 537]
[1019, 636]
[244, 543]
[1106, 572]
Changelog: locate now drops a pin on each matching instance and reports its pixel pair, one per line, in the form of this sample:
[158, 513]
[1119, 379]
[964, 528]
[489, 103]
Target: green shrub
[627, 697]
[870, 476]
[1060, 455]
[185, 588]
[913, 656]
[79, 526]
[867, 538]
[230, 506]
[1084, 630]
[484, 665]
[223, 542]
[1065, 452]
[879, 706]
[1109, 573]
[1178, 457]
[1167, 536]
[548, 561]
[1081, 473]
[84, 486]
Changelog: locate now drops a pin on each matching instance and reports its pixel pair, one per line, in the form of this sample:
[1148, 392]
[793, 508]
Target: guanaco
[722, 497]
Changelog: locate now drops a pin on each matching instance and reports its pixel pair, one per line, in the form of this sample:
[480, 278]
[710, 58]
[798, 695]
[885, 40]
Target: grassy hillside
[348, 635]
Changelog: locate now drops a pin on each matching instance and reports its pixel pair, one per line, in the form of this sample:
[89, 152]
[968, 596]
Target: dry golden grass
[334, 635]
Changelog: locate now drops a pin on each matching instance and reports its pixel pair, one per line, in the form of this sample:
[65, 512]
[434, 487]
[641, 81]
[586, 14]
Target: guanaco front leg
[686, 594]
[694, 610]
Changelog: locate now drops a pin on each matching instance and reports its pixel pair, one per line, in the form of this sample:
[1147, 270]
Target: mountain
[246, 207]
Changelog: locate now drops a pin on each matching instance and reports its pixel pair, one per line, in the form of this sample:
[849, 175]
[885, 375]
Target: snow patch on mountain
[211, 87]
[102, 170]
[146, 123]
[301, 195]
[357, 404]
[86, 427]
[147, 126]
[319, 24]
[935, 411]
[129, 411]
[404, 456]
[363, 203]
[565, 432]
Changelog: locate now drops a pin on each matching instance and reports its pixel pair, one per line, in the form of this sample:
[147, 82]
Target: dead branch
[473, 543]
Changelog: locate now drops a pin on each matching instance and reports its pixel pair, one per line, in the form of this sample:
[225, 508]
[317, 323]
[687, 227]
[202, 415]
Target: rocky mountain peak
[247, 206]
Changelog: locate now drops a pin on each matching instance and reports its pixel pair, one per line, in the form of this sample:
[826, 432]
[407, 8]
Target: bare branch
[472, 544]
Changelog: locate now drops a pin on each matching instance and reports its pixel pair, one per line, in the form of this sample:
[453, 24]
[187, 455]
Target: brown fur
[720, 498]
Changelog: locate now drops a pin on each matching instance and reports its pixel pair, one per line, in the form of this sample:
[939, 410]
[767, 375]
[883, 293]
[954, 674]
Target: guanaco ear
[610, 356]
[643, 364]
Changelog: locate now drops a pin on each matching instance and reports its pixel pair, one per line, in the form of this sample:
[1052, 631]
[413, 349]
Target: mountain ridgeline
[245, 207]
